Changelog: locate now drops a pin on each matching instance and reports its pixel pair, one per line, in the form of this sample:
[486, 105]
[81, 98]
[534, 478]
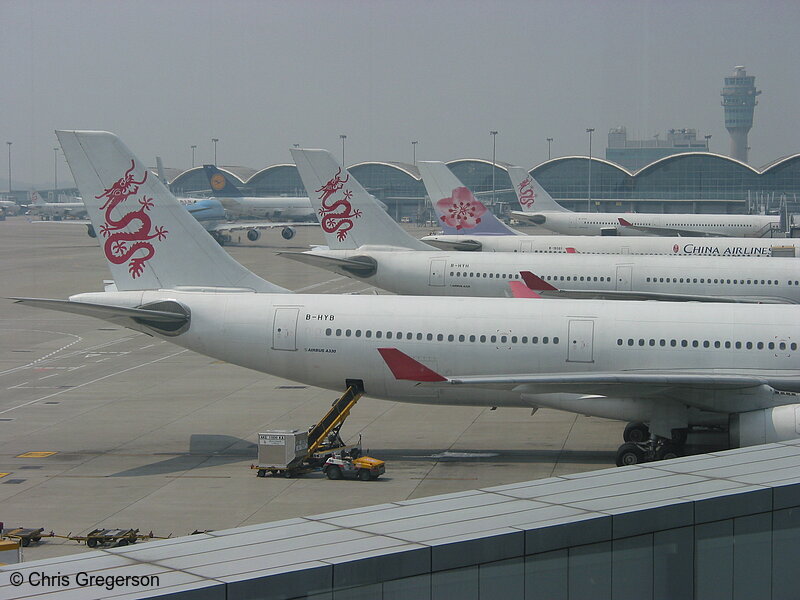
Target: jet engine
[253, 235]
[288, 233]
[778, 424]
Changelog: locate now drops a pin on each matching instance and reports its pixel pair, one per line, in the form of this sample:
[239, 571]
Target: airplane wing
[540, 286]
[262, 225]
[681, 385]
[363, 266]
[668, 231]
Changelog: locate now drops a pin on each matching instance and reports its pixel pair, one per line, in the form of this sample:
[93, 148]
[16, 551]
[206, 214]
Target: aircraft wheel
[363, 475]
[636, 432]
[629, 454]
[334, 472]
[667, 450]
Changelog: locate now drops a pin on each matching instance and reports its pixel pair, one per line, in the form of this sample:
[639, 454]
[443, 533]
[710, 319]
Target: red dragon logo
[461, 210]
[337, 216]
[526, 194]
[123, 245]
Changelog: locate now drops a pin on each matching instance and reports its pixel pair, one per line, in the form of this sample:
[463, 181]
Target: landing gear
[636, 433]
[656, 448]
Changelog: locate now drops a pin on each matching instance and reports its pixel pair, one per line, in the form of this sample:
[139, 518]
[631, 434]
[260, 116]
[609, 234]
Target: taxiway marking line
[150, 362]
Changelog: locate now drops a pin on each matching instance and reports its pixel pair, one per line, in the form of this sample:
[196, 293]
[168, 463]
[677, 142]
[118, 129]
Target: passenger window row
[673, 343]
[484, 275]
[709, 280]
[440, 337]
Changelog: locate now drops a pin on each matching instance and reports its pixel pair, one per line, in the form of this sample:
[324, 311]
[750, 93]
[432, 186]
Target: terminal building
[689, 182]
[635, 154]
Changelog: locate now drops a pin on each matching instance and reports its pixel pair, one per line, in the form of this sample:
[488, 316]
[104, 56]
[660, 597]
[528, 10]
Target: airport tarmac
[137, 433]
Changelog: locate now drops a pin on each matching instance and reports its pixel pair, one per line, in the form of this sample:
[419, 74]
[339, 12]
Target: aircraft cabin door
[581, 341]
[284, 329]
[437, 272]
[624, 278]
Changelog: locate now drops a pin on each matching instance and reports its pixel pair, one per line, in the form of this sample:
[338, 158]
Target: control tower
[739, 101]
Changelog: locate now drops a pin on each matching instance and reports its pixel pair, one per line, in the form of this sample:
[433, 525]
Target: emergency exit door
[624, 278]
[581, 341]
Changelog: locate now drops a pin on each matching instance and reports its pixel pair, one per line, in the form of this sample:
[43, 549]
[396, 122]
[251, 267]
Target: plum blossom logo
[676, 248]
[121, 246]
[461, 210]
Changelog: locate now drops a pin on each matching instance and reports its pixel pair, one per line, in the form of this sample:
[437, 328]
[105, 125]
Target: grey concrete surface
[149, 436]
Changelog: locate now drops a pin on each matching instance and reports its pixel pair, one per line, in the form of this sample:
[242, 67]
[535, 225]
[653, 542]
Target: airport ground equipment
[110, 537]
[293, 452]
[351, 465]
[26, 536]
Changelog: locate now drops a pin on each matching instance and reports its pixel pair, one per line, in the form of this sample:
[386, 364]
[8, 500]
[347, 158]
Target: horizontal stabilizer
[107, 312]
[361, 266]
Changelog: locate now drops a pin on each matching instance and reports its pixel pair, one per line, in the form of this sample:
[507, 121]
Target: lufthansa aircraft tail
[149, 240]
[222, 186]
[349, 216]
[457, 209]
[532, 196]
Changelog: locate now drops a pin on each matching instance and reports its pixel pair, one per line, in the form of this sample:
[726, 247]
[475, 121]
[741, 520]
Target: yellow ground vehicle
[346, 466]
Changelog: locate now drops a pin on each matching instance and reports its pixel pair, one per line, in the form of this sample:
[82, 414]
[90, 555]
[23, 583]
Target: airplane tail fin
[222, 184]
[532, 196]
[36, 199]
[349, 216]
[457, 209]
[149, 240]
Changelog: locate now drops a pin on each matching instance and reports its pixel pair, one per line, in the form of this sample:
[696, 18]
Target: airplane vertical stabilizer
[532, 196]
[222, 185]
[349, 216]
[149, 240]
[457, 209]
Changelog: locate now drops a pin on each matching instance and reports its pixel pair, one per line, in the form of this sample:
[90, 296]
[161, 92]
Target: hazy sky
[262, 75]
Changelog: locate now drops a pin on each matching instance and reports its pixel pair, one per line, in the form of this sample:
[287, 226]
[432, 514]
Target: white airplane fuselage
[433, 273]
[585, 244]
[322, 340]
[577, 223]
[269, 207]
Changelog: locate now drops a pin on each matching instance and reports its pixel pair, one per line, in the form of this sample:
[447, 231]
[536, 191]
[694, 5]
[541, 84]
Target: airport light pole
[343, 137]
[9, 166]
[215, 140]
[590, 130]
[494, 154]
[55, 169]
[708, 137]
[549, 141]
[193, 147]
[414, 151]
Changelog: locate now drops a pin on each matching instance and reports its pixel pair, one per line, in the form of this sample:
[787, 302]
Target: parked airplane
[468, 225]
[56, 210]
[734, 367]
[8, 207]
[366, 244]
[239, 206]
[539, 208]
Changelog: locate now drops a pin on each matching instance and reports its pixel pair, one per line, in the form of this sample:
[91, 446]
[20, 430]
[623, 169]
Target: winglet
[536, 283]
[403, 366]
[624, 222]
[520, 290]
